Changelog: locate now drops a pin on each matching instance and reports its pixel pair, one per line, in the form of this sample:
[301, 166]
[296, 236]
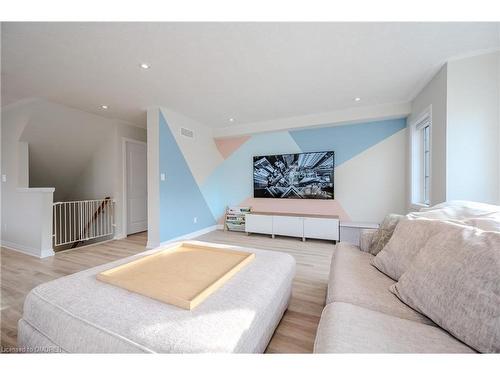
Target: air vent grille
[187, 133]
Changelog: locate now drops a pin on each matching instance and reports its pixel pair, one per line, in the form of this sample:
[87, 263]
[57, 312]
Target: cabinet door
[288, 226]
[327, 229]
[259, 224]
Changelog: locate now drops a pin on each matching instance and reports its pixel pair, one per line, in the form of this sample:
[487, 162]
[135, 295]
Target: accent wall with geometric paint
[370, 167]
[180, 195]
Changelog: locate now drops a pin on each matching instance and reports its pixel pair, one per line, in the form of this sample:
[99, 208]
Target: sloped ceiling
[62, 142]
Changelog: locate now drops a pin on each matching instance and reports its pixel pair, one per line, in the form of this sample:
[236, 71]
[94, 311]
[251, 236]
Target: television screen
[301, 176]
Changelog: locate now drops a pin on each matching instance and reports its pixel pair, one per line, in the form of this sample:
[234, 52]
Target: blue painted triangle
[347, 140]
[180, 197]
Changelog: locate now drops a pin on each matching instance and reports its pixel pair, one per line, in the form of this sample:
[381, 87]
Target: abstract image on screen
[300, 176]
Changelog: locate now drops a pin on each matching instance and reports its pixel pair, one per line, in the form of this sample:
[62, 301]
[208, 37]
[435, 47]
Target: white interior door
[137, 190]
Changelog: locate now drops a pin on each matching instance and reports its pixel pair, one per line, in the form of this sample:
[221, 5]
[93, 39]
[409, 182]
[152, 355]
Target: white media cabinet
[326, 227]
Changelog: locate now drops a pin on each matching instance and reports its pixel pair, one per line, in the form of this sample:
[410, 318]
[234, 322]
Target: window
[427, 162]
[421, 159]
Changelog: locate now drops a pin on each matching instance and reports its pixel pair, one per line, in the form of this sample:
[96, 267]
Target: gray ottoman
[80, 314]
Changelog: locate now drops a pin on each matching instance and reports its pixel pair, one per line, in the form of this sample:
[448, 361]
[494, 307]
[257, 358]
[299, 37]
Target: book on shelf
[234, 218]
[237, 210]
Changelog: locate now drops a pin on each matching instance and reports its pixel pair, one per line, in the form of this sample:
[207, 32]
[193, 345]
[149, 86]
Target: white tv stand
[304, 226]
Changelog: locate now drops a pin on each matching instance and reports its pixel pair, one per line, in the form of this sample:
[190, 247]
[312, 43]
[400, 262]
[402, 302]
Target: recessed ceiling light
[231, 119]
[104, 106]
[357, 99]
[145, 66]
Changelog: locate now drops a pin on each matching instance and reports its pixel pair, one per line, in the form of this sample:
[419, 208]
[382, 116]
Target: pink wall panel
[297, 206]
[229, 145]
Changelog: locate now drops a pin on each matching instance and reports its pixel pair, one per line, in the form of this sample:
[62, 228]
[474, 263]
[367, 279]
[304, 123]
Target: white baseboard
[47, 253]
[191, 235]
[28, 250]
[150, 245]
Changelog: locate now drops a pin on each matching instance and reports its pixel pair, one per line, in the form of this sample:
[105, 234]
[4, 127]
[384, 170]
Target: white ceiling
[211, 72]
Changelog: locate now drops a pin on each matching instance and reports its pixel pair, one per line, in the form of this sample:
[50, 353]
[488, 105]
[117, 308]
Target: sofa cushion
[384, 233]
[353, 279]
[409, 237]
[473, 207]
[455, 280]
[346, 328]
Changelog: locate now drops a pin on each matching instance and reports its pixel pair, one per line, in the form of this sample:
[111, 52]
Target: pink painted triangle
[229, 145]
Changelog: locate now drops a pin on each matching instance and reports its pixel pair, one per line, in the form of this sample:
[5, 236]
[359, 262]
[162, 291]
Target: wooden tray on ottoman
[183, 275]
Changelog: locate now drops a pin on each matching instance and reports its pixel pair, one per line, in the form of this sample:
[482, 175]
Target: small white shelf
[234, 218]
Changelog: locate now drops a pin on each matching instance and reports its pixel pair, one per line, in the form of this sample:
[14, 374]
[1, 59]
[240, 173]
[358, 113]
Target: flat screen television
[308, 175]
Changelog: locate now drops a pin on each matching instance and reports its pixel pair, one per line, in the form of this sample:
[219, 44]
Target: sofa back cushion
[455, 281]
[409, 237]
[459, 209]
[480, 215]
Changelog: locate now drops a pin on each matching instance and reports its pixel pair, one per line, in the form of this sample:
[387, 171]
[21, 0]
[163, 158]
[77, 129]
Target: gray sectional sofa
[363, 316]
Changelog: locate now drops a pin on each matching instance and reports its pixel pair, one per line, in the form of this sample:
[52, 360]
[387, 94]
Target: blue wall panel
[347, 140]
[180, 197]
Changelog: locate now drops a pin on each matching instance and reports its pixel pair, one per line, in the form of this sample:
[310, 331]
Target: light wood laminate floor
[295, 334]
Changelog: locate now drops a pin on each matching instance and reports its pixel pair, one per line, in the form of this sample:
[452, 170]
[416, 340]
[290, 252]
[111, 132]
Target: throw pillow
[384, 233]
[409, 237]
[455, 281]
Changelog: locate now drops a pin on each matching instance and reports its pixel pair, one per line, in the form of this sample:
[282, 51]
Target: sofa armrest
[365, 239]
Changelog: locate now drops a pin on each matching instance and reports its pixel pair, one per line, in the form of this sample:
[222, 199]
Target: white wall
[1, 169]
[465, 140]
[153, 128]
[95, 180]
[80, 152]
[200, 152]
[28, 221]
[23, 177]
[472, 145]
[62, 141]
[434, 94]
[103, 174]
[381, 168]
[26, 213]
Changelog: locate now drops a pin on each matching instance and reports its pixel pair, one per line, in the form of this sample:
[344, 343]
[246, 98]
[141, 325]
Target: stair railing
[77, 221]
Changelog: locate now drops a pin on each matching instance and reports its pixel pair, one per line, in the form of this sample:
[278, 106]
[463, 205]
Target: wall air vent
[187, 133]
